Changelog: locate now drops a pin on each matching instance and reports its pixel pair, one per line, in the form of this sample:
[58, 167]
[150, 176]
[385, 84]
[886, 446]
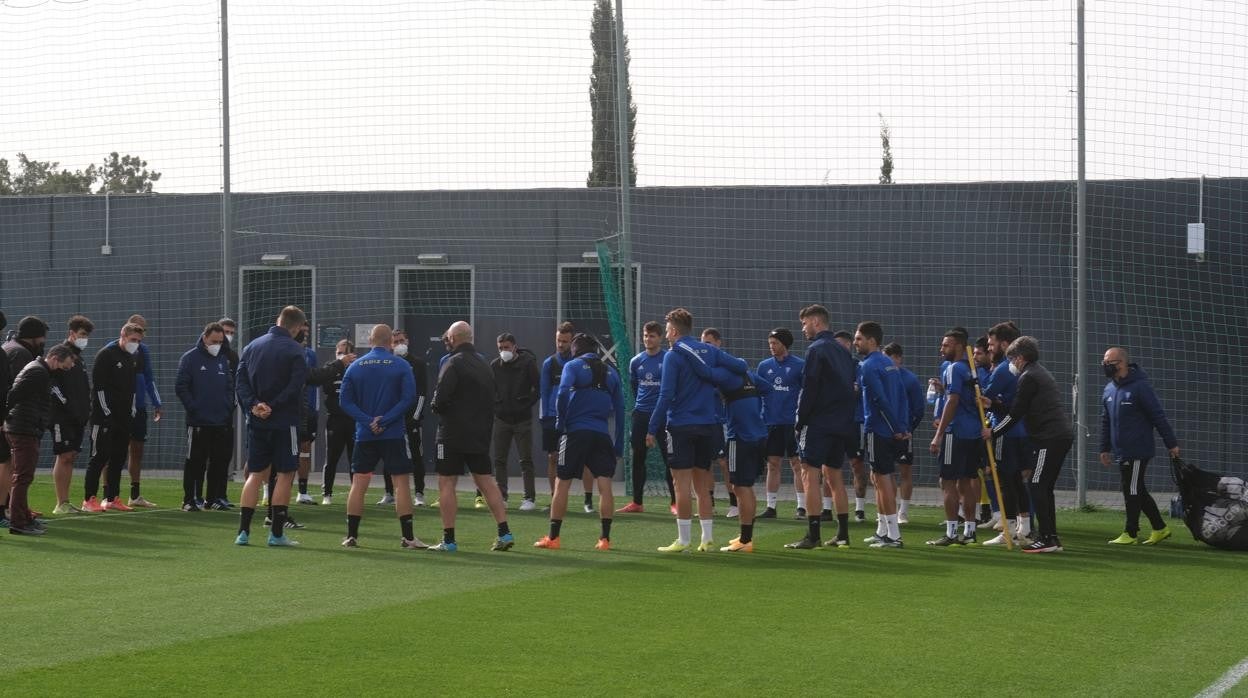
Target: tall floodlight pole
[1081, 284]
[624, 170]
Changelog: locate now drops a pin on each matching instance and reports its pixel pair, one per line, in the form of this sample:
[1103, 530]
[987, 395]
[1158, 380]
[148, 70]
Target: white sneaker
[999, 540]
[903, 518]
[305, 498]
[418, 500]
[995, 522]
[733, 512]
[139, 501]
[386, 500]
[327, 500]
[589, 508]
[528, 505]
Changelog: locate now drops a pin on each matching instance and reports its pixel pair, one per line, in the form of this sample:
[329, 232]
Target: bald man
[464, 399]
[378, 389]
[1130, 411]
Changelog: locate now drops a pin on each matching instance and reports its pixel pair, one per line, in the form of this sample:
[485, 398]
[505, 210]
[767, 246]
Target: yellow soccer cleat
[706, 546]
[675, 547]
[1125, 539]
[1157, 536]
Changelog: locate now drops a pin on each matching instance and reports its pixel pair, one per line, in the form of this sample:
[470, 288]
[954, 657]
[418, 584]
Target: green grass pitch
[162, 602]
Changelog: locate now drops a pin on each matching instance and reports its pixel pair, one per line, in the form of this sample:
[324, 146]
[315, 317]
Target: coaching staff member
[29, 404]
[1038, 404]
[464, 399]
[1130, 411]
[205, 386]
[272, 375]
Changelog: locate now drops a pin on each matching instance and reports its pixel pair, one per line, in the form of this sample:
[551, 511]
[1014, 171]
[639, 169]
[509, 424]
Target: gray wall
[917, 258]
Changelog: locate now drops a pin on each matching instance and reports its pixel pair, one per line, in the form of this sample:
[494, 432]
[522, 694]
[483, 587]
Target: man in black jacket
[339, 427]
[6, 472]
[464, 399]
[1039, 404]
[71, 408]
[413, 422]
[112, 411]
[28, 343]
[517, 389]
[29, 405]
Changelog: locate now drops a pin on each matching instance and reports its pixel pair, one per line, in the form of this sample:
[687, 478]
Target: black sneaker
[291, 524]
[27, 530]
[886, 542]
[860, 516]
[1045, 545]
[944, 542]
[768, 513]
[804, 544]
[190, 506]
[827, 515]
[985, 514]
[800, 514]
[218, 506]
[968, 540]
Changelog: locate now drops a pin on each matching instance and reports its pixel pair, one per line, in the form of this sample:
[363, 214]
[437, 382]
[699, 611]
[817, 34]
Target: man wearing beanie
[19, 351]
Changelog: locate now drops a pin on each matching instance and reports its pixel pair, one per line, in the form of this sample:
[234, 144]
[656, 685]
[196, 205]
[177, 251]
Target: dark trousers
[1135, 492]
[522, 434]
[339, 438]
[418, 462]
[1049, 457]
[641, 424]
[25, 450]
[110, 446]
[208, 453]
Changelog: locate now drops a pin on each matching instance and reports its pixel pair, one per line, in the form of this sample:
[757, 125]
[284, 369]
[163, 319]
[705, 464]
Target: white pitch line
[1226, 682]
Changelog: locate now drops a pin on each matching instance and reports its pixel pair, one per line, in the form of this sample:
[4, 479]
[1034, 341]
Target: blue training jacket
[1002, 386]
[745, 413]
[205, 386]
[582, 406]
[957, 379]
[646, 372]
[884, 405]
[551, 374]
[687, 395]
[1130, 411]
[785, 378]
[916, 398]
[827, 403]
[378, 384]
[274, 370]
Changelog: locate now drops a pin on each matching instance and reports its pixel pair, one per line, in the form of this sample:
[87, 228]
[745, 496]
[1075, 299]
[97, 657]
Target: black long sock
[448, 535]
[303, 485]
[606, 529]
[353, 526]
[812, 528]
[503, 529]
[405, 523]
[589, 499]
[747, 532]
[842, 526]
[555, 526]
[279, 521]
[732, 499]
[134, 489]
[244, 523]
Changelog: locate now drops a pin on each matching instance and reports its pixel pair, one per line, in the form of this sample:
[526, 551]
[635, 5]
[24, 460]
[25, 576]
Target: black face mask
[1110, 370]
[301, 337]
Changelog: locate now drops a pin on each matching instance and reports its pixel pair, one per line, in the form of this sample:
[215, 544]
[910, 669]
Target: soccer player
[714, 338]
[205, 387]
[145, 395]
[552, 372]
[886, 410]
[686, 408]
[339, 426]
[464, 399]
[1012, 450]
[825, 421]
[415, 419]
[517, 383]
[1130, 411]
[916, 404]
[986, 494]
[784, 371]
[377, 391]
[957, 443]
[29, 401]
[310, 420]
[589, 394]
[646, 371]
[857, 465]
[747, 445]
[71, 409]
[112, 397]
[272, 377]
[1038, 404]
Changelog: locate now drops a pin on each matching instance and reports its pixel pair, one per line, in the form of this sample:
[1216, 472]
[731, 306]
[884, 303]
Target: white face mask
[214, 349]
[229, 337]
[132, 347]
[81, 342]
[1015, 369]
[339, 356]
[400, 349]
[506, 356]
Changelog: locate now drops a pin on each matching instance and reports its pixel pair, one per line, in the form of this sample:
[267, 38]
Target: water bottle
[931, 393]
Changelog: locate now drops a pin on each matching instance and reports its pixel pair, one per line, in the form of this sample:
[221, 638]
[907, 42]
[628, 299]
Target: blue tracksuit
[916, 398]
[1130, 411]
[745, 414]
[938, 408]
[205, 386]
[884, 403]
[313, 395]
[552, 374]
[827, 402]
[580, 406]
[378, 384]
[957, 379]
[860, 415]
[646, 372]
[687, 394]
[785, 378]
[273, 369]
[1001, 387]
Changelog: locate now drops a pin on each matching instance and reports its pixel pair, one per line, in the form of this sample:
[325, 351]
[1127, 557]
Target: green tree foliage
[605, 167]
[886, 167]
[117, 174]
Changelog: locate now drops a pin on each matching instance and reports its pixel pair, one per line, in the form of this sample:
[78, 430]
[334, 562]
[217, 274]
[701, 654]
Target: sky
[467, 94]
